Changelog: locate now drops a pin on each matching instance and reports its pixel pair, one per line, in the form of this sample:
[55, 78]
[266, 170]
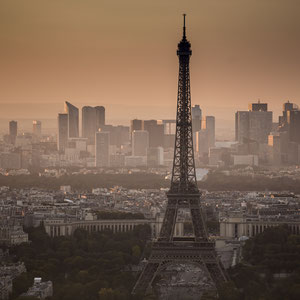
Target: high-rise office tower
[89, 124]
[258, 106]
[288, 106]
[201, 142]
[93, 119]
[169, 126]
[37, 128]
[146, 124]
[100, 117]
[242, 126]
[140, 142]
[13, 131]
[36, 155]
[156, 133]
[102, 149]
[278, 143]
[62, 137]
[293, 121]
[73, 120]
[253, 125]
[208, 123]
[122, 134]
[260, 125]
[136, 125]
[169, 132]
[196, 117]
[119, 135]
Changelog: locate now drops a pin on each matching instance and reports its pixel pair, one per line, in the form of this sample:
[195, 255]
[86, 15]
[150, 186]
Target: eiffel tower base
[164, 254]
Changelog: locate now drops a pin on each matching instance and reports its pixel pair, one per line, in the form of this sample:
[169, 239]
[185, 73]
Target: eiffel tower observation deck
[183, 194]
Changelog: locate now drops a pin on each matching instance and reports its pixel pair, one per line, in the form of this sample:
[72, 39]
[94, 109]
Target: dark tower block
[183, 194]
[13, 131]
[100, 117]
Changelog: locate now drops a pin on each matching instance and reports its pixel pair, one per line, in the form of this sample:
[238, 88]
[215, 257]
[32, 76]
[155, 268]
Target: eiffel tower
[183, 194]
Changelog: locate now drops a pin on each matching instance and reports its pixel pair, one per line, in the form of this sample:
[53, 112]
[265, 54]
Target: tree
[21, 284]
[136, 251]
[209, 296]
[228, 291]
[81, 265]
[27, 298]
[106, 294]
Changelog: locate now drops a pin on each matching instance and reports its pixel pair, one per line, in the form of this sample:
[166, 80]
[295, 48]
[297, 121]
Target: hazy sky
[122, 54]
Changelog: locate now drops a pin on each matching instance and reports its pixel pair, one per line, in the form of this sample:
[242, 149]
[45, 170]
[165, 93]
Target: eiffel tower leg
[198, 223]
[146, 278]
[168, 225]
[203, 266]
[217, 272]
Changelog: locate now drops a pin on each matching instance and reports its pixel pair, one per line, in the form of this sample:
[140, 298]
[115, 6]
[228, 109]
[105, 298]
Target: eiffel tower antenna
[183, 194]
[184, 36]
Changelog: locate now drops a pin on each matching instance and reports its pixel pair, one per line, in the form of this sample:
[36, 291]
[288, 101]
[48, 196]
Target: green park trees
[91, 267]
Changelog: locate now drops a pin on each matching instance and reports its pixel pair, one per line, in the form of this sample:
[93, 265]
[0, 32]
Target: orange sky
[122, 54]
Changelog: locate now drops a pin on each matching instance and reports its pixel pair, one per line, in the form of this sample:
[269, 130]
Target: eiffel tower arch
[183, 194]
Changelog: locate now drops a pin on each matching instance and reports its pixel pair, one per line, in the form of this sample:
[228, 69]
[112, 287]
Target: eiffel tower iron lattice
[183, 194]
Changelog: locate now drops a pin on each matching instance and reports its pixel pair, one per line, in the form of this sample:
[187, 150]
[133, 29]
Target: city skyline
[224, 129]
[81, 52]
[172, 205]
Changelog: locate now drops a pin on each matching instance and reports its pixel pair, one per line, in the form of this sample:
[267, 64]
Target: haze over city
[120, 54]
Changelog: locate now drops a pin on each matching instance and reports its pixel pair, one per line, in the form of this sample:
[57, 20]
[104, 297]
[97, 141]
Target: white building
[251, 160]
[236, 226]
[40, 289]
[59, 227]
